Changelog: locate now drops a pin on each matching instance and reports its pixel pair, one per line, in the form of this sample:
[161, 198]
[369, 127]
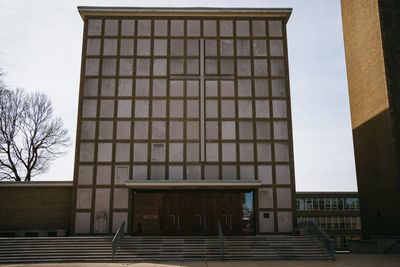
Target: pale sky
[41, 45]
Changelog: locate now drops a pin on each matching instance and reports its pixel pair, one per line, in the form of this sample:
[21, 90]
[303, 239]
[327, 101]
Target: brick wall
[35, 208]
[372, 58]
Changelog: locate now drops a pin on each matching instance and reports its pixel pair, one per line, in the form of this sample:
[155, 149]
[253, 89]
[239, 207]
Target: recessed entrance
[190, 212]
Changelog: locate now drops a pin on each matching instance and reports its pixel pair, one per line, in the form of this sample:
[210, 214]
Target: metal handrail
[117, 238]
[221, 239]
[314, 229]
[397, 241]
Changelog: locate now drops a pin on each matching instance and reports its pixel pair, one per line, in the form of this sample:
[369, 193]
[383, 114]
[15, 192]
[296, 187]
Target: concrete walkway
[347, 260]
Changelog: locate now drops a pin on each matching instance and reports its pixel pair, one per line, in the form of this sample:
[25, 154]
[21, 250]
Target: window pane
[322, 221]
[248, 212]
[321, 204]
[334, 203]
[341, 223]
[329, 223]
[309, 204]
[340, 203]
[327, 203]
[347, 221]
[347, 203]
[315, 204]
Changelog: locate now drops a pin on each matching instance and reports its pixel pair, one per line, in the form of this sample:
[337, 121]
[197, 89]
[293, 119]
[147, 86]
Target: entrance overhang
[190, 184]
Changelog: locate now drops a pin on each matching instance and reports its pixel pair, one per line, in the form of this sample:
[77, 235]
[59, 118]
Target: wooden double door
[188, 212]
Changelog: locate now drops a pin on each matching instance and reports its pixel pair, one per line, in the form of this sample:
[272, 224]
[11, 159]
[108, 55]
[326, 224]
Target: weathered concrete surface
[353, 260]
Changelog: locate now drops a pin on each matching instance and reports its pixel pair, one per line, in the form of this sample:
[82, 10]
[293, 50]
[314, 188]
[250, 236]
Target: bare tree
[30, 136]
[1, 80]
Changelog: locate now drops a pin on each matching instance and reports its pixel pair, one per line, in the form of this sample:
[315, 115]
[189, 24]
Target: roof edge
[36, 184]
[183, 11]
[325, 192]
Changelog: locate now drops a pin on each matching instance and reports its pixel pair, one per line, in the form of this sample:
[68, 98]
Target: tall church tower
[184, 120]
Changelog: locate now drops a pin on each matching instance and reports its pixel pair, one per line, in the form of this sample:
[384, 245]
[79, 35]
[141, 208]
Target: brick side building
[372, 45]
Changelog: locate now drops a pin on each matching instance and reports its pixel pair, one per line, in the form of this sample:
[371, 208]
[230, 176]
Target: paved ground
[347, 260]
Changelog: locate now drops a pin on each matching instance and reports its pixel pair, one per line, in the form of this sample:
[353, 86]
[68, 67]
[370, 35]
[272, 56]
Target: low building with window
[338, 213]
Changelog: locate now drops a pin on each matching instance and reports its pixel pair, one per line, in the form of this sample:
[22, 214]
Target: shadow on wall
[375, 165]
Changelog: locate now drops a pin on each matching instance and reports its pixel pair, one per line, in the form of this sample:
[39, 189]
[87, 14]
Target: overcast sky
[40, 49]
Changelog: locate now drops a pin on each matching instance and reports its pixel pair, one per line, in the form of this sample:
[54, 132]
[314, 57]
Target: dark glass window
[327, 203]
[334, 203]
[341, 223]
[315, 203]
[248, 212]
[322, 222]
[348, 203]
[347, 221]
[340, 203]
[309, 205]
[321, 204]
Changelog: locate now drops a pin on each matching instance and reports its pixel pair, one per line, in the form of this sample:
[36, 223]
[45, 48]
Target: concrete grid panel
[169, 110]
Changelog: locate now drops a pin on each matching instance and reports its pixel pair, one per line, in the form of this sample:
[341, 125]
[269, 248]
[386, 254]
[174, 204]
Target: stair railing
[117, 238]
[396, 242]
[314, 229]
[221, 239]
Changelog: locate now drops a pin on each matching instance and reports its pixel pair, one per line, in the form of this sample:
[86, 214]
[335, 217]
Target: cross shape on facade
[202, 77]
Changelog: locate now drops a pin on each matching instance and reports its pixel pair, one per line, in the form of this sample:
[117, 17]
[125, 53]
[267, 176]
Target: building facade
[184, 120]
[338, 213]
[372, 45]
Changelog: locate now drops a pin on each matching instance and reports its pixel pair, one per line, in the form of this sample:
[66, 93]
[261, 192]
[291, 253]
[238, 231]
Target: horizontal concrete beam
[185, 184]
[183, 11]
[37, 184]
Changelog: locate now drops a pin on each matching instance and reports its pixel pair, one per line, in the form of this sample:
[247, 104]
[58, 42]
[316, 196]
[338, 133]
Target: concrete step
[159, 248]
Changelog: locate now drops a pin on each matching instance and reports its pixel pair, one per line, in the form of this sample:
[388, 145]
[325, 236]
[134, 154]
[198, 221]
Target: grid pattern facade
[193, 98]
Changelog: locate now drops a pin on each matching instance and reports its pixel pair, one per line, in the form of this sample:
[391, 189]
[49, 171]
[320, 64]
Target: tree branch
[30, 136]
